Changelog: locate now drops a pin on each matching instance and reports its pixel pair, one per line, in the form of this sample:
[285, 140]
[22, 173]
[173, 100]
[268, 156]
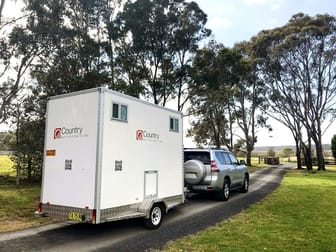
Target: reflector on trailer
[94, 213]
[39, 207]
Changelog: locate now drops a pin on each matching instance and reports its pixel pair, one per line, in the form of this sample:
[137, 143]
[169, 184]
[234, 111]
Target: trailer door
[69, 171]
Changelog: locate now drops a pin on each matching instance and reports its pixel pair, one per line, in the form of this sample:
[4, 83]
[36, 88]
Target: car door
[230, 167]
[238, 171]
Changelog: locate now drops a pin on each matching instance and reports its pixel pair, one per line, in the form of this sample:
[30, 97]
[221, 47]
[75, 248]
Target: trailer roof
[110, 91]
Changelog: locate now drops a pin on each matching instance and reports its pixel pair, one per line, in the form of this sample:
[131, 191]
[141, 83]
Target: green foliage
[288, 153]
[333, 146]
[165, 34]
[225, 94]
[5, 139]
[74, 57]
[210, 96]
[271, 152]
[28, 148]
[278, 223]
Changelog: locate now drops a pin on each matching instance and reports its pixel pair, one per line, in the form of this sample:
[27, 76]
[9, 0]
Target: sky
[233, 21]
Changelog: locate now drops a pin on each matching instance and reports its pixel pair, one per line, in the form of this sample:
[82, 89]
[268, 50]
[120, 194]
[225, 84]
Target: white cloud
[255, 2]
[219, 22]
[275, 7]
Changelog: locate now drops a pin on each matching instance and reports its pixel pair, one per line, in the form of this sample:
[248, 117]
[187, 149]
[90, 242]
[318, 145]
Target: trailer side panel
[142, 156]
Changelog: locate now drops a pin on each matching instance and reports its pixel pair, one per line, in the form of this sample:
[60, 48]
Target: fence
[269, 160]
[327, 161]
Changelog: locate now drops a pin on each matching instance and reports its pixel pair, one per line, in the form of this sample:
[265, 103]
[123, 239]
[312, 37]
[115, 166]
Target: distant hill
[326, 147]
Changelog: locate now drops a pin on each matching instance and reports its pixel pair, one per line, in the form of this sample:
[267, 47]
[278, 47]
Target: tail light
[39, 207]
[213, 166]
[94, 214]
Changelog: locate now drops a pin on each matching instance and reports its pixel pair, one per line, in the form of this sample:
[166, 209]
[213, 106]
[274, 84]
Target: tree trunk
[307, 156]
[298, 154]
[317, 137]
[248, 157]
[29, 168]
[320, 157]
[18, 171]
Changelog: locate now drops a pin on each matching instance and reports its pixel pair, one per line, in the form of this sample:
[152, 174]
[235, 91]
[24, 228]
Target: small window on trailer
[119, 112]
[174, 124]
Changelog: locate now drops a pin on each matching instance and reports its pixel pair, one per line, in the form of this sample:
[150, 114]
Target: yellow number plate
[75, 216]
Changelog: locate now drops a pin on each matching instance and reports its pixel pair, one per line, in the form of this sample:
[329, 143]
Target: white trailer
[109, 156]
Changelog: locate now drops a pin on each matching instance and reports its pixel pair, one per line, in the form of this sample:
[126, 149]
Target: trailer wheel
[155, 217]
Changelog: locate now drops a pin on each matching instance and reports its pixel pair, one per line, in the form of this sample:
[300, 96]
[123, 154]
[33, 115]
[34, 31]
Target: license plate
[75, 216]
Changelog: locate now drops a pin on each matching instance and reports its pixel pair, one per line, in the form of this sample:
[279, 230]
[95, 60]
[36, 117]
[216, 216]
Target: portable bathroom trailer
[109, 156]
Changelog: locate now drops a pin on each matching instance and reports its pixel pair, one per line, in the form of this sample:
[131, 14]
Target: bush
[271, 152]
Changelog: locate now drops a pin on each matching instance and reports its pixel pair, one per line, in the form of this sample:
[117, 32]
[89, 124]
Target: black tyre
[155, 217]
[224, 194]
[245, 186]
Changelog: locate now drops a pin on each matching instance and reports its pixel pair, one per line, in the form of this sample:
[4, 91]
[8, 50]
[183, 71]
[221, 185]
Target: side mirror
[242, 162]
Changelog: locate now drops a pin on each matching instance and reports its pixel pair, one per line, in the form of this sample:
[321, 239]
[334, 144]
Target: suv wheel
[245, 186]
[224, 194]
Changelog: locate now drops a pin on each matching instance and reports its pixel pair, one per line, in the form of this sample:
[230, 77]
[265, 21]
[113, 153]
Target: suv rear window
[203, 156]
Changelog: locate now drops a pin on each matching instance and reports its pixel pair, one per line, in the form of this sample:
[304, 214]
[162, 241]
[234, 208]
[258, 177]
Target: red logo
[139, 135]
[57, 133]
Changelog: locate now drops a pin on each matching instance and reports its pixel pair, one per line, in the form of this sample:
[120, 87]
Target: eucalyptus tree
[227, 97]
[211, 100]
[17, 51]
[155, 42]
[188, 30]
[299, 65]
[248, 92]
[74, 33]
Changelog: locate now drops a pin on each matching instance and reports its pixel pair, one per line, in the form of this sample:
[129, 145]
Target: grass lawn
[18, 205]
[6, 166]
[299, 216]
[255, 165]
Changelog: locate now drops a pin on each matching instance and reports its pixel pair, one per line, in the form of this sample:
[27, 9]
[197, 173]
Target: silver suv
[214, 170]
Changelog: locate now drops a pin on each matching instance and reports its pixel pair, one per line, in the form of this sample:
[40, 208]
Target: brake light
[94, 214]
[213, 166]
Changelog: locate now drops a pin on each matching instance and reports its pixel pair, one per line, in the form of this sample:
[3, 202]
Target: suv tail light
[213, 166]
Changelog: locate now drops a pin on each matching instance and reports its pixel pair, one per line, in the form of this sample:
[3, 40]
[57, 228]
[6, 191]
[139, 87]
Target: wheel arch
[227, 177]
[160, 202]
[247, 175]
[154, 215]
